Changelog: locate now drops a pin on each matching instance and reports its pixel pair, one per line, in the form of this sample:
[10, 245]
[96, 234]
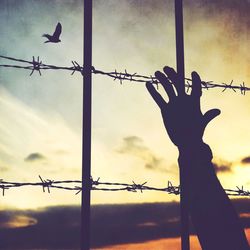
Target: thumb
[210, 115]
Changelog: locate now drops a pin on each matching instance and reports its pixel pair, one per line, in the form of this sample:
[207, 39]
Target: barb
[37, 65]
[46, 184]
[71, 185]
[3, 187]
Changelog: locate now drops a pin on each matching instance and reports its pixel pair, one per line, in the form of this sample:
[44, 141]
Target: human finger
[166, 84]
[173, 76]
[210, 115]
[155, 95]
[196, 85]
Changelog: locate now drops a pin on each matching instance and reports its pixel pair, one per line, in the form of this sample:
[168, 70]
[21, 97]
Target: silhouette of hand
[181, 115]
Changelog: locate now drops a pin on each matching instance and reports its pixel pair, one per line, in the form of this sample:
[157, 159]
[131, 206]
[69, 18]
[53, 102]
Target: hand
[181, 115]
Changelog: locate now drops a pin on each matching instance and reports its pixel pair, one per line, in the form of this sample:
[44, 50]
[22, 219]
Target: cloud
[17, 221]
[34, 157]
[134, 145]
[110, 224]
[41, 228]
[147, 224]
[222, 166]
[246, 160]
[245, 215]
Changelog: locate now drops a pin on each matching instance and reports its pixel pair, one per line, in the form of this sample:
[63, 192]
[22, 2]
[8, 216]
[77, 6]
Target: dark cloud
[246, 160]
[54, 228]
[59, 227]
[154, 163]
[134, 145]
[131, 142]
[34, 157]
[222, 166]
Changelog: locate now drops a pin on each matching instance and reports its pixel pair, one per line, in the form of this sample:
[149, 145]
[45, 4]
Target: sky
[40, 130]
[41, 115]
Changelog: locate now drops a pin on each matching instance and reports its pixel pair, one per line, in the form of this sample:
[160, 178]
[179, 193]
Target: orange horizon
[161, 244]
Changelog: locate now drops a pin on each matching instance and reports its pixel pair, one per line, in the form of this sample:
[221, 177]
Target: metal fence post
[86, 127]
[185, 245]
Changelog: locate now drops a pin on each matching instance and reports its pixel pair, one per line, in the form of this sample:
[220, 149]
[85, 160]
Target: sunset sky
[40, 129]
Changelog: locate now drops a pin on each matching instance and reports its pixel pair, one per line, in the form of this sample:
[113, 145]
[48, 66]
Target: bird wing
[58, 31]
[47, 36]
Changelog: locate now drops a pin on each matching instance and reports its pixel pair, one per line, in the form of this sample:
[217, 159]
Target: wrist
[196, 166]
[198, 153]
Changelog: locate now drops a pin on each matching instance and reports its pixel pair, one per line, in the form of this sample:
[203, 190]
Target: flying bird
[55, 37]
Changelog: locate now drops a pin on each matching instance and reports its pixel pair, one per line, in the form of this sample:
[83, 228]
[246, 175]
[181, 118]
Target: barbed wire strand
[73, 185]
[38, 65]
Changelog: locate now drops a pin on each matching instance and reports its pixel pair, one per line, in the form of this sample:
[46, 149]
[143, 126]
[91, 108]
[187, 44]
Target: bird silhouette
[55, 37]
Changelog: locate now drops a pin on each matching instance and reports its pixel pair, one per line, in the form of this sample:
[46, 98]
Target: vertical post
[86, 127]
[185, 245]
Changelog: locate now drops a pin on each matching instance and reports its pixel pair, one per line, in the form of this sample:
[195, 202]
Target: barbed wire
[38, 65]
[76, 185]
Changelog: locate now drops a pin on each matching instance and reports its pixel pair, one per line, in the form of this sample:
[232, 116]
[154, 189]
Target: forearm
[216, 223]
